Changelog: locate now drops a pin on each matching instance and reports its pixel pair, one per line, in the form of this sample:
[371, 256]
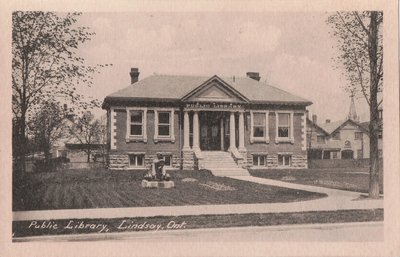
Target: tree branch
[360, 22]
[349, 30]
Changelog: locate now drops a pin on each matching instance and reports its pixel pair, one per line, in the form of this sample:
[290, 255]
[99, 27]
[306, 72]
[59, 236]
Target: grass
[109, 189]
[23, 229]
[353, 179]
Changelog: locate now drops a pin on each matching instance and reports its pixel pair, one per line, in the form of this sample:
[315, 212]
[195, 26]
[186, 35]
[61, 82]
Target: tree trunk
[374, 114]
[21, 138]
[88, 155]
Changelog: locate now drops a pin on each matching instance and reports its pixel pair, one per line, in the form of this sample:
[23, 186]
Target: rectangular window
[284, 160]
[259, 125]
[136, 160]
[283, 125]
[164, 124]
[136, 123]
[358, 135]
[336, 136]
[321, 139]
[259, 160]
[334, 154]
[167, 160]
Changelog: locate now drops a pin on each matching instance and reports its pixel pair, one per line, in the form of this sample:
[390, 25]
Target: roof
[365, 125]
[171, 87]
[331, 127]
[311, 123]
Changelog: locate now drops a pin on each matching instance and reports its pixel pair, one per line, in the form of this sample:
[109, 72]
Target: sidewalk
[336, 200]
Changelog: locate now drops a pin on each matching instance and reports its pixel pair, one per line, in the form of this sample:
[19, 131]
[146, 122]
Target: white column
[186, 145]
[232, 140]
[291, 127]
[196, 134]
[222, 133]
[155, 126]
[241, 132]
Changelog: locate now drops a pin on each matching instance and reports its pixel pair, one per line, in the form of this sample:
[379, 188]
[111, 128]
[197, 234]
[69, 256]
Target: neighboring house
[182, 117]
[70, 147]
[346, 139]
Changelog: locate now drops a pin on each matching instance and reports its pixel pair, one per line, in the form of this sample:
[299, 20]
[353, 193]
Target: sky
[292, 51]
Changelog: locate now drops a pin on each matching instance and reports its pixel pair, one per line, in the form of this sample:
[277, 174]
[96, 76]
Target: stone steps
[222, 164]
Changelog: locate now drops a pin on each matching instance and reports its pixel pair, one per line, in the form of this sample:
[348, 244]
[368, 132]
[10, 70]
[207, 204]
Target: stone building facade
[181, 117]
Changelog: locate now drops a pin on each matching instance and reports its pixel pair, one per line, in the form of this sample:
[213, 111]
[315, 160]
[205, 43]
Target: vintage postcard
[171, 128]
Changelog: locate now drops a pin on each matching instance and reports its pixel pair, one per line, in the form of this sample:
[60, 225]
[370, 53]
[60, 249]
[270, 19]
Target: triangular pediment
[350, 125]
[215, 90]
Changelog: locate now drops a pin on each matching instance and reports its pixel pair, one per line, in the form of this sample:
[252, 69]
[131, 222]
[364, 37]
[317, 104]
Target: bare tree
[45, 66]
[88, 131]
[103, 137]
[359, 36]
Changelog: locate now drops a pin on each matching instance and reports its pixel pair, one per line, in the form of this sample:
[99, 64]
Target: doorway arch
[348, 154]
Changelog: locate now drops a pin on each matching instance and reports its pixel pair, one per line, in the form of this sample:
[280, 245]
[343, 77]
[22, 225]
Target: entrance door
[347, 154]
[210, 131]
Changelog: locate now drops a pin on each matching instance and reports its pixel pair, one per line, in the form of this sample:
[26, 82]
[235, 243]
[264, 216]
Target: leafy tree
[88, 131]
[359, 36]
[47, 127]
[45, 66]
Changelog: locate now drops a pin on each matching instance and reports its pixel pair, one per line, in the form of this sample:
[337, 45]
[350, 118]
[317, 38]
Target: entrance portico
[213, 130]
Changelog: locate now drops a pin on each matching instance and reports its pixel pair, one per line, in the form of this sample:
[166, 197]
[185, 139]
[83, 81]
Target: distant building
[71, 147]
[189, 118]
[344, 139]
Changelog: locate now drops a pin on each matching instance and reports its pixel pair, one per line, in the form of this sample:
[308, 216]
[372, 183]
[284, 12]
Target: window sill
[136, 168]
[259, 140]
[164, 139]
[136, 139]
[284, 140]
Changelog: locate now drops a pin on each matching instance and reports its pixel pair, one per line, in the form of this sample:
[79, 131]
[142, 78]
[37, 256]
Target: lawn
[108, 189]
[354, 179]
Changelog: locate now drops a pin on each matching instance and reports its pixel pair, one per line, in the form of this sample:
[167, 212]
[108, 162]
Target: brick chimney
[328, 121]
[134, 75]
[253, 75]
[314, 118]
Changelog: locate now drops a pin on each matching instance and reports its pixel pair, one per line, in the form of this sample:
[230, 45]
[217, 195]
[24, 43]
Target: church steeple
[352, 111]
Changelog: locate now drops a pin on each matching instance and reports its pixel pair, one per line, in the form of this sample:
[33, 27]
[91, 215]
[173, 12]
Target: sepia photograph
[198, 126]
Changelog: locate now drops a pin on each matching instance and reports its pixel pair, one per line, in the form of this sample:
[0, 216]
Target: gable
[215, 90]
[349, 125]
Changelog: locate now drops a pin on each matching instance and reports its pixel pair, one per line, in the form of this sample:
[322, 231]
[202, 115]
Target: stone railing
[237, 157]
[199, 159]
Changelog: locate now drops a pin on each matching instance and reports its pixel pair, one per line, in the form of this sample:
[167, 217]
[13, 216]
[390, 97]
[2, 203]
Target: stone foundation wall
[299, 161]
[188, 162]
[272, 160]
[243, 162]
[121, 161]
[118, 161]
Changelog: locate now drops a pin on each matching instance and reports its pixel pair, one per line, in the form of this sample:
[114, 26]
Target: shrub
[50, 165]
